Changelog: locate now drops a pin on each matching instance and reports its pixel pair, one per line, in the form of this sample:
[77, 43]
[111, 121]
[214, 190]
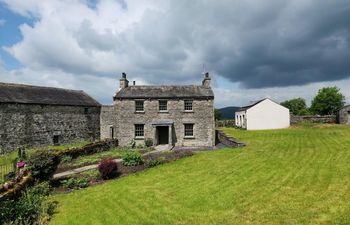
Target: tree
[217, 114]
[327, 101]
[296, 106]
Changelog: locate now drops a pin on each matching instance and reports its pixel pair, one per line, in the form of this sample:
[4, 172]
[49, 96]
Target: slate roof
[249, 106]
[185, 91]
[27, 94]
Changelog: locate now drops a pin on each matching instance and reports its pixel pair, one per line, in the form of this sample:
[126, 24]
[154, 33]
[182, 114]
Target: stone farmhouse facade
[32, 116]
[343, 115]
[167, 115]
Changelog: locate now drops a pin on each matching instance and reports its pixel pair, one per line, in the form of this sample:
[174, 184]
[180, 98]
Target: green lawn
[291, 176]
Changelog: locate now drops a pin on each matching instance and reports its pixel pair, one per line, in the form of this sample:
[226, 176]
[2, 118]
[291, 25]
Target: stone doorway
[163, 135]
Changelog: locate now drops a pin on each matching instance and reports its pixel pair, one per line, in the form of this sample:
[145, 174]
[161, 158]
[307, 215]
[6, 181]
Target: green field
[292, 176]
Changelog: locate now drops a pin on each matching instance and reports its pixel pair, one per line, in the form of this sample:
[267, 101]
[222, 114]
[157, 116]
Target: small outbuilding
[343, 115]
[262, 115]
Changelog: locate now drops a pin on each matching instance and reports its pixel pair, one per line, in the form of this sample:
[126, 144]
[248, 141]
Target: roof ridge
[37, 86]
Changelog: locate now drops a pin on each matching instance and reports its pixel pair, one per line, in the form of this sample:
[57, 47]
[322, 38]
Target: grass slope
[292, 176]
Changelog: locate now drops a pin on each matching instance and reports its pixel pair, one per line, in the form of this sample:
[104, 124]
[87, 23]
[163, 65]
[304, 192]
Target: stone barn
[181, 115]
[32, 116]
[262, 115]
[343, 115]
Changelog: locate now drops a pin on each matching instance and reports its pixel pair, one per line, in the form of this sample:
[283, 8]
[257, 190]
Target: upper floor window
[189, 130]
[139, 130]
[188, 105]
[163, 105]
[139, 107]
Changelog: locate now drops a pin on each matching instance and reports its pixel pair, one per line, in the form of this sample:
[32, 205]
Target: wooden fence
[5, 169]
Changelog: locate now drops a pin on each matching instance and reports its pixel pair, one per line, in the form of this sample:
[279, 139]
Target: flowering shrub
[108, 168]
[21, 164]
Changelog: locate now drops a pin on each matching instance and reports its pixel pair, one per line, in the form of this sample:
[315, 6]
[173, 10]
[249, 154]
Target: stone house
[34, 116]
[167, 115]
[343, 115]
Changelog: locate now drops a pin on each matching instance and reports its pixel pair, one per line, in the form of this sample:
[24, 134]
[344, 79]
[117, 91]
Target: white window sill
[139, 138]
[189, 137]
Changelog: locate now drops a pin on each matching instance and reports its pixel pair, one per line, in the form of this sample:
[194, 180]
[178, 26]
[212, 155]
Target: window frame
[187, 101]
[159, 105]
[136, 105]
[186, 129]
[136, 135]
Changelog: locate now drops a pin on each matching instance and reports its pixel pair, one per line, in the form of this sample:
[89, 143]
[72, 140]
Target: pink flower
[21, 164]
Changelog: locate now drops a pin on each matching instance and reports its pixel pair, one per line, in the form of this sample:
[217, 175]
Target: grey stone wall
[107, 119]
[36, 125]
[225, 123]
[343, 115]
[227, 140]
[202, 117]
[312, 119]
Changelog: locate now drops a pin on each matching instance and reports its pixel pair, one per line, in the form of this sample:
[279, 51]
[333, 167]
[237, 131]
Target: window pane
[139, 106]
[188, 105]
[163, 105]
[139, 130]
[189, 130]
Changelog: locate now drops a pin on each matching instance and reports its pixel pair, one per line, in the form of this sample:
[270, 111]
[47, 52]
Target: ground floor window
[139, 130]
[56, 139]
[189, 130]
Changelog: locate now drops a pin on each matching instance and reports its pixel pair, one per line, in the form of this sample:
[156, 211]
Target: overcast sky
[252, 49]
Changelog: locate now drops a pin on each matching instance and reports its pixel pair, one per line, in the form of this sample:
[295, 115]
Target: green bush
[148, 142]
[132, 158]
[66, 158]
[31, 207]
[75, 183]
[43, 164]
[154, 163]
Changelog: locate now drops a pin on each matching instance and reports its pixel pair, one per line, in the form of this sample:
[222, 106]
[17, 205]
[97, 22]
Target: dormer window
[163, 105]
[139, 106]
[188, 105]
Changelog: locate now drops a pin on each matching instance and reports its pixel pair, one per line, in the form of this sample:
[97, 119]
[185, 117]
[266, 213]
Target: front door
[163, 135]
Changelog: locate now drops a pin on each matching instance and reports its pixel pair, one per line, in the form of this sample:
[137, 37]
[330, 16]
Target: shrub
[148, 142]
[66, 159]
[132, 158]
[75, 183]
[43, 164]
[108, 168]
[154, 163]
[31, 208]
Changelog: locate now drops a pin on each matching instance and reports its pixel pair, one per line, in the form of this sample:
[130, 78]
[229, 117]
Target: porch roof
[162, 122]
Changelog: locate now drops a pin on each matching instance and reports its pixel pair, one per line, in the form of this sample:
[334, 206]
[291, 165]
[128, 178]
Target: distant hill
[229, 112]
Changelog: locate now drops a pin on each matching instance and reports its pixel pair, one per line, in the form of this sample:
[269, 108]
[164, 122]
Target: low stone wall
[89, 149]
[313, 119]
[224, 123]
[221, 137]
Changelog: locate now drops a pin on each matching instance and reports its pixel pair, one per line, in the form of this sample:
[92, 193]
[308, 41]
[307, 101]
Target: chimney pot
[134, 83]
[124, 75]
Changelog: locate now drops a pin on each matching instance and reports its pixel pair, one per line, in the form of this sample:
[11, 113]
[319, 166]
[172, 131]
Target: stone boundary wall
[221, 137]
[225, 123]
[312, 119]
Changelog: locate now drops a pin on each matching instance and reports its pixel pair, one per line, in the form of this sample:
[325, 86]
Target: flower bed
[150, 160]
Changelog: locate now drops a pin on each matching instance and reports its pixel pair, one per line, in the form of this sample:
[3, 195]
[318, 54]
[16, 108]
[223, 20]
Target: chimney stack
[207, 80]
[123, 81]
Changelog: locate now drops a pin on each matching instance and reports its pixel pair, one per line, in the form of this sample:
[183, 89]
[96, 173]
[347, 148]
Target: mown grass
[292, 176]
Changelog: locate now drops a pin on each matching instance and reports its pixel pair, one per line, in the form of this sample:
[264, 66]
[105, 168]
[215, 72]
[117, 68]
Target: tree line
[326, 102]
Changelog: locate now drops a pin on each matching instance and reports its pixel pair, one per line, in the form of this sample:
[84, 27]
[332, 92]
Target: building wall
[36, 125]
[343, 115]
[202, 117]
[241, 119]
[107, 119]
[267, 115]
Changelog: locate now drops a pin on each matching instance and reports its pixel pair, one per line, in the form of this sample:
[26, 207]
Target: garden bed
[92, 177]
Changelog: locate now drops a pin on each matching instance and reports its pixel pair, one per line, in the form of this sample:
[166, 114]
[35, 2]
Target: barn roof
[185, 91]
[28, 94]
[244, 108]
